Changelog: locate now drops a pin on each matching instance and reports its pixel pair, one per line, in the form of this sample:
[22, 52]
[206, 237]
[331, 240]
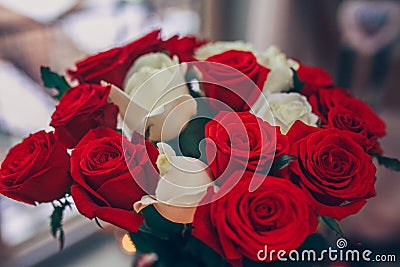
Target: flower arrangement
[203, 151]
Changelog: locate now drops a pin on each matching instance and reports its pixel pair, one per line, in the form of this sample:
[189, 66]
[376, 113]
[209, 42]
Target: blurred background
[358, 42]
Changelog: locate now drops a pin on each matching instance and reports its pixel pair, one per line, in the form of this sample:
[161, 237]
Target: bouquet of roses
[205, 152]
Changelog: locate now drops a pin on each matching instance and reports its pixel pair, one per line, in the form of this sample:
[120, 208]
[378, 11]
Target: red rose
[240, 140]
[323, 100]
[333, 168]
[346, 119]
[374, 126]
[107, 170]
[112, 65]
[82, 108]
[237, 80]
[183, 47]
[337, 108]
[239, 224]
[314, 78]
[36, 170]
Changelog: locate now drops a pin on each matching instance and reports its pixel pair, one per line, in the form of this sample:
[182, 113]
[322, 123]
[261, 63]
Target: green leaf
[56, 219]
[56, 224]
[333, 224]
[53, 80]
[158, 226]
[171, 253]
[98, 223]
[146, 243]
[61, 239]
[191, 137]
[297, 84]
[191, 141]
[154, 143]
[166, 52]
[390, 163]
[282, 162]
[191, 77]
[204, 253]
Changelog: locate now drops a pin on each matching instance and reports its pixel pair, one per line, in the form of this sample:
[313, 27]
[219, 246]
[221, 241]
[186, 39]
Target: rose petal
[122, 218]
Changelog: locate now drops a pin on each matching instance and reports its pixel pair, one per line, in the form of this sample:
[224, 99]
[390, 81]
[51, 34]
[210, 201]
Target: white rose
[280, 77]
[155, 94]
[215, 48]
[284, 109]
[182, 185]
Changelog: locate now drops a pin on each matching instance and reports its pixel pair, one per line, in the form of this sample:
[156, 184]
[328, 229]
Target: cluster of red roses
[331, 172]
[332, 175]
[40, 170]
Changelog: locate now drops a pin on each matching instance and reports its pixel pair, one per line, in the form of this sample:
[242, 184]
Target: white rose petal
[165, 149]
[284, 109]
[168, 124]
[272, 53]
[280, 77]
[154, 87]
[215, 48]
[124, 103]
[262, 109]
[182, 185]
